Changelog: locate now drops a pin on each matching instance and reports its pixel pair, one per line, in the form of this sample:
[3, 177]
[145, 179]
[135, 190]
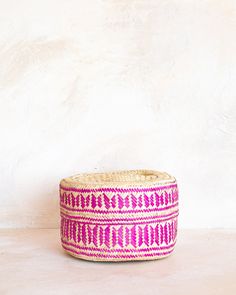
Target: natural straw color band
[119, 216]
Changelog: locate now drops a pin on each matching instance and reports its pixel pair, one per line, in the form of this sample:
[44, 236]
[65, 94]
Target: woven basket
[119, 216]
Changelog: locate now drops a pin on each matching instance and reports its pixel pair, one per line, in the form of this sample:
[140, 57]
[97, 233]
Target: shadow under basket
[119, 216]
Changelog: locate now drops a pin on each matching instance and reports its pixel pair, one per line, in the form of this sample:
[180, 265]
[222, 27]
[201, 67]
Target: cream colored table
[32, 262]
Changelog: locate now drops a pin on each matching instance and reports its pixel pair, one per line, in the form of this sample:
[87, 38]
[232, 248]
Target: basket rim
[118, 178]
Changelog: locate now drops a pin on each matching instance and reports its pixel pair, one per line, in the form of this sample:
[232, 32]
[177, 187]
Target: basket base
[106, 258]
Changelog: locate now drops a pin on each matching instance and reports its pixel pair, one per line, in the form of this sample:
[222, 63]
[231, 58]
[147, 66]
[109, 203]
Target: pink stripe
[118, 211]
[119, 250]
[125, 221]
[116, 257]
[115, 189]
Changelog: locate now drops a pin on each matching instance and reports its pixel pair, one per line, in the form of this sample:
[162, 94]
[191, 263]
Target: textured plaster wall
[102, 85]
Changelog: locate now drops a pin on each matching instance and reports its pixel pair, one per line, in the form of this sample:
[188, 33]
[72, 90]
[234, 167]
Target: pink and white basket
[119, 216]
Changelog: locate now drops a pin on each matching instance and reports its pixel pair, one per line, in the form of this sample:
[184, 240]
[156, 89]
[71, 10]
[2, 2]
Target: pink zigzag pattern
[119, 201]
[111, 236]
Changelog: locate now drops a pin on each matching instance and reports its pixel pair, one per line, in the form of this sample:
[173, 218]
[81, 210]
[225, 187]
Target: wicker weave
[119, 216]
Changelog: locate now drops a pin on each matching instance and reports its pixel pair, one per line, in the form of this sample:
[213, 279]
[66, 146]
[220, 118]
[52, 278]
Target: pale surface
[101, 85]
[32, 262]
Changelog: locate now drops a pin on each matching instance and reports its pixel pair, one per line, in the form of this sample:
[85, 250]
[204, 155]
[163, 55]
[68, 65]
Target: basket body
[115, 218]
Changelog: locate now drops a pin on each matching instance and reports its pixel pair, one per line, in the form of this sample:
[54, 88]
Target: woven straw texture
[119, 216]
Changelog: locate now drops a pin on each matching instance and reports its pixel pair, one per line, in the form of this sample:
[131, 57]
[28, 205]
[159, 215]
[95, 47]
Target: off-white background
[103, 85]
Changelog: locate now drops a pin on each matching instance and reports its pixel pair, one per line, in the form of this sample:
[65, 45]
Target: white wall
[102, 85]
